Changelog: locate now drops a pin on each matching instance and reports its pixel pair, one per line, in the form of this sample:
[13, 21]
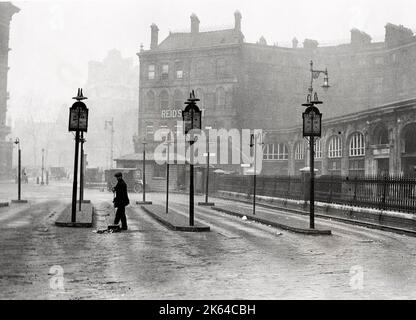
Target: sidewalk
[278, 219]
[173, 220]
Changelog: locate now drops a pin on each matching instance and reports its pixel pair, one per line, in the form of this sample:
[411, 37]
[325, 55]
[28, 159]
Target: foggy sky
[52, 41]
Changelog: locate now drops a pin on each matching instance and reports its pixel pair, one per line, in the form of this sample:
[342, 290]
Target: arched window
[299, 151]
[164, 100]
[357, 145]
[150, 100]
[178, 99]
[334, 147]
[220, 95]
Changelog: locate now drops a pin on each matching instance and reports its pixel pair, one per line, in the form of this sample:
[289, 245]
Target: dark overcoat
[121, 199]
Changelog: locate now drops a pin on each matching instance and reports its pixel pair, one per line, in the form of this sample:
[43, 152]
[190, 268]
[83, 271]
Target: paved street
[236, 260]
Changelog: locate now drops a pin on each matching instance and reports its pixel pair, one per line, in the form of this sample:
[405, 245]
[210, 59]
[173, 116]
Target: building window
[299, 151]
[273, 151]
[163, 125]
[151, 72]
[317, 149]
[164, 100]
[334, 147]
[165, 71]
[357, 145]
[356, 167]
[220, 68]
[179, 69]
[178, 99]
[150, 100]
[149, 130]
[159, 171]
[220, 95]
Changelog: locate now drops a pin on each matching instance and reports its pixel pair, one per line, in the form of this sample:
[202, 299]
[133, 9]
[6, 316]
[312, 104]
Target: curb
[316, 232]
[173, 227]
[328, 217]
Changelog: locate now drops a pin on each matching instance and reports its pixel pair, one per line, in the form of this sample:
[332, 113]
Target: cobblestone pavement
[236, 260]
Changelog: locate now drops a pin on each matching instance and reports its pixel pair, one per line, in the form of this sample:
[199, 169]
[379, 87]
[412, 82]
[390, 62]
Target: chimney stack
[237, 19]
[194, 23]
[154, 36]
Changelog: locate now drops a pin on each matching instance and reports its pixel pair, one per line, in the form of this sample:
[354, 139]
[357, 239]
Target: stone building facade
[367, 112]
[7, 10]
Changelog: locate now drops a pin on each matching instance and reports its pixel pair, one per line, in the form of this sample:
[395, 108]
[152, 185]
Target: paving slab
[173, 220]
[282, 221]
[83, 217]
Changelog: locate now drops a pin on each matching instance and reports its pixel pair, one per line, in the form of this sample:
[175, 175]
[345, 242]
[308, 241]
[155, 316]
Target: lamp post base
[206, 204]
[143, 202]
[19, 201]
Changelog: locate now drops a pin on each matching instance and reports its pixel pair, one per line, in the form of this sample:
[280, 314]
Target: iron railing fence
[397, 193]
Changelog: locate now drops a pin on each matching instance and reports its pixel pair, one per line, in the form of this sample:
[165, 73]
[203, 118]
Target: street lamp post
[312, 128]
[208, 154]
[19, 174]
[144, 175]
[168, 143]
[78, 122]
[191, 117]
[81, 171]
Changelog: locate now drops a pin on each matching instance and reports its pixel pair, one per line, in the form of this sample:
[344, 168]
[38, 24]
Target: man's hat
[118, 174]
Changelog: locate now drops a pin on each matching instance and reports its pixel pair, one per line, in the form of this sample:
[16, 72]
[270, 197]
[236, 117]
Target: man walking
[121, 200]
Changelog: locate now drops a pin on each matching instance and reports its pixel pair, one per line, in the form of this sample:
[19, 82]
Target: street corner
[174, 220]
[80, 218]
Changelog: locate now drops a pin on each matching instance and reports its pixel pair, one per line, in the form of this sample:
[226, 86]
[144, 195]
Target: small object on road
[114, 228]
[244, 218]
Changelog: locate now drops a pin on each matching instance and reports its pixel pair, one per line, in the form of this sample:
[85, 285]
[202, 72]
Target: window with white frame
[334, 147]
[273, 151]
[149, 130]
[179, 69]
[299, 151]
[317, 149]
[357, 145]
[151, 72]
[165, 71]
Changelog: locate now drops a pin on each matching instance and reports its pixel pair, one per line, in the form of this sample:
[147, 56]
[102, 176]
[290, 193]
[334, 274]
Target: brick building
[368, 112]
[7, 10]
